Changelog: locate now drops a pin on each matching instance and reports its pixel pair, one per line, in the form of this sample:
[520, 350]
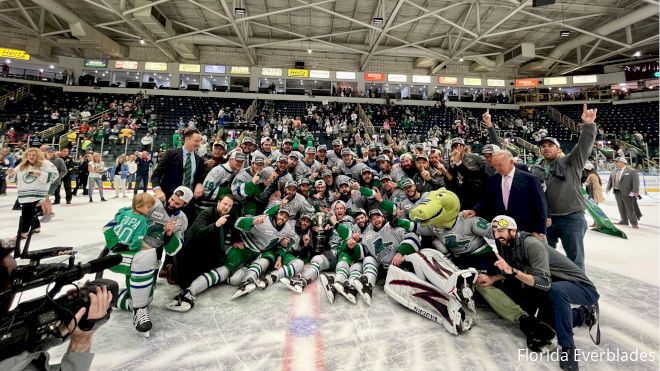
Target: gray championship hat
[346, 151]
[237, 155]
[406, 182]
[457, 141]
[551, 140]
[383, 158]
[291, 183]
[490, 148]
[258, 160]
[375, 212]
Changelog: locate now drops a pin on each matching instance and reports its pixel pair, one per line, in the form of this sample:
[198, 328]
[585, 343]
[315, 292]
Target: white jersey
[466, 236]
[264, 236]
[240, 188]
[304, 170]
[354, 170]
[216, 184]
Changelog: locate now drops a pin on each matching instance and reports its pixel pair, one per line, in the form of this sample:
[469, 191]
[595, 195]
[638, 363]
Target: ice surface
[277, 329]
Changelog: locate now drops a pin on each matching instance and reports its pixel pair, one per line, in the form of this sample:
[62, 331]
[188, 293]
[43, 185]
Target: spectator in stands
[86, 144]
[125, 133]
[624, 180]
[113, 138]
[561, 180]
[97, 170]
[72, 137]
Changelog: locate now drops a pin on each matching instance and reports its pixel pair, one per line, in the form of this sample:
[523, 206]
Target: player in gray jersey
[218, 181]
[308, 166]
[388, 188]
[386, 168]
[270, 239]
[266, 151]
[248, 147]
[348, 166]
[294, 202]
[335, 154]
[408, 199]
[322, 157]
[280, 168]
[248, 184]
[287, 148]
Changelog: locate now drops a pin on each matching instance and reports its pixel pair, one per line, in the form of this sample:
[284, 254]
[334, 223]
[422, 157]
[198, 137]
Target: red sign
[374, 76]
[527, 83]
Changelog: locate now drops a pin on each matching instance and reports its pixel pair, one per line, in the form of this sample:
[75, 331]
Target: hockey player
[321, 197]
[335, 154]
[293, 201]
[125, 237]
[218, 181]
[267, 152]
[384, 244]
[349, 166]
[327, 258]
[408, 199]
[287, 148]
[349, 266]
[248, 184]
[269, 238]
[388, 188]
[303, 188]
[308, 165]
[322, 157]
[329, 179]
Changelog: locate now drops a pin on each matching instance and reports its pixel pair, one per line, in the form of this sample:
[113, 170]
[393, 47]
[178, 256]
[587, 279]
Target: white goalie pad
[432, 266]
[423, 298]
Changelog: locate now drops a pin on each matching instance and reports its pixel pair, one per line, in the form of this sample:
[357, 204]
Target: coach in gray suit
[625, 182]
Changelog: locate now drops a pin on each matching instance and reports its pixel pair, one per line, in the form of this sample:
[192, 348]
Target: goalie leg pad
[427, 300]
[434, 267]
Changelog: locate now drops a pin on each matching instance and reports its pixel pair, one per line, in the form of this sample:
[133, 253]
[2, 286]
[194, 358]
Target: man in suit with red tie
[514, 193]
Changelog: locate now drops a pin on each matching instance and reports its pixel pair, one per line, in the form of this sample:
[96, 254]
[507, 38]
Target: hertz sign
[297, 73]
[14, 54]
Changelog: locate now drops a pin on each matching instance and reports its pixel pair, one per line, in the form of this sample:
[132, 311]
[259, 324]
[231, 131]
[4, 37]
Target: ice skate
[245, 288]
[142, 321]
[183, 302]
[364, 288]
[346, 290]
[539, 334]
[271, 279]
[327, 284]
[261, 283]
[296, 284]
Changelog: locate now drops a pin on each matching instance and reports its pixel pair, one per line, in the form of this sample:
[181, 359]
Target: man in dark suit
[515, 193]
[625, 182]
[180, 166]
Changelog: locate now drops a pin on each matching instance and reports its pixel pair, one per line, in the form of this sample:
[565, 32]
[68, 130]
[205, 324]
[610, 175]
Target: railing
[522, 98]
[251, 111]
[564, 120]
[527, 146]
[15, 96]
[53, 130]
[629, 146]
[63, 142]
[25, 74]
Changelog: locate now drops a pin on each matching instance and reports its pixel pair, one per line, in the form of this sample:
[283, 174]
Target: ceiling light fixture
[564, 33]
[7, 61]
[378, 21]
[461, 59]
[637, 54]
[309, 51]
[239, 11]
[142, 42]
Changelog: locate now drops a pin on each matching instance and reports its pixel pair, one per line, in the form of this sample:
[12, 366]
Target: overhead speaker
[536, 3]
[300, 64]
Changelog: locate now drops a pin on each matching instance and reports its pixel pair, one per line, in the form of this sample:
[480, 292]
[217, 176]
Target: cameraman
[78, 356]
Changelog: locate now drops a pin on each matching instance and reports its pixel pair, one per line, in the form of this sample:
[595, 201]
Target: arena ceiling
[485, 35]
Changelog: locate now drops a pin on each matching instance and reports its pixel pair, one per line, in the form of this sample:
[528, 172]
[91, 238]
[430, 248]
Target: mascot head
[438, 209]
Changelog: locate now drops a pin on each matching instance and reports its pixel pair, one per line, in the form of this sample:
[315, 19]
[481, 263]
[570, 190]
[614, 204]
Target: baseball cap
[294, 155]
[503, 222]
[258, 159]
[322, 147]
[359, 211]
[303, 181]
[249, 140]
[550, 139]
[319, 183]
[310, 150]
[237, 155]
[405, 155]
[387, 149]
[621, 159]
[422, 157]
[336, 142]
[375, 212]
[419, 145]
[265, 139]
[343, 179]
[385, 177]
[490, 148]
[383, 158]
[588, 166]
[366, 169]
[50, 149]
[291, 183]
[406, 182]
[346, 151]
[184, 193]
[219, 143]
[285, 211]
[282, 158]
[371, 146]
[326, 173]
[287, 140]
[457, 141]
[305, 215]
